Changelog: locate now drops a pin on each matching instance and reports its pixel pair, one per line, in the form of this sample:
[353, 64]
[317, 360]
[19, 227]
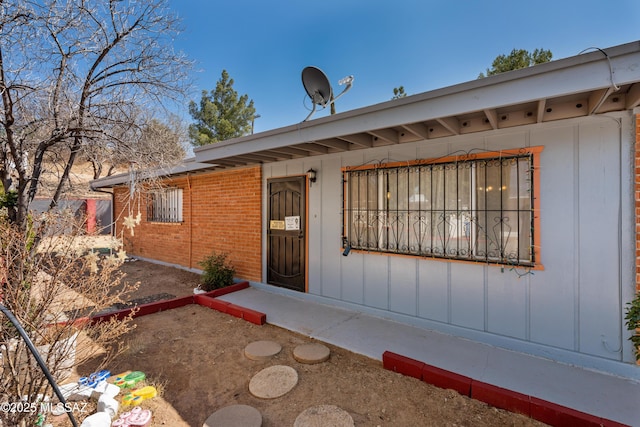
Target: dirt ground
[195, 357]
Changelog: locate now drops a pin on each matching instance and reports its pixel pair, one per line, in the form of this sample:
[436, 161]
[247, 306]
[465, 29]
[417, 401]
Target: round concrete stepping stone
[235, 416]
[324, 415]
[262, 350]
[273, 382]
[311, 353]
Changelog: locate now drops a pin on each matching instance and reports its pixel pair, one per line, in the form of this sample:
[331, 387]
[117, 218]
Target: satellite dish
[318, 88]
[317, 85]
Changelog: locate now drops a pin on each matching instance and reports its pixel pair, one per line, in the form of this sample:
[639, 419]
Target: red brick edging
[207, 300]
[533, 407]
[538, 409]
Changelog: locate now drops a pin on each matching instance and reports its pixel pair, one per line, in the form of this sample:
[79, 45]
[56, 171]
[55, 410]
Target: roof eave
[187, 166]
[577, 74]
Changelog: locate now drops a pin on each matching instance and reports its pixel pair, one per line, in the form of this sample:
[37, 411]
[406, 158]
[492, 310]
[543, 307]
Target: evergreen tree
[398, 92]
[221, 114]
[518, 58]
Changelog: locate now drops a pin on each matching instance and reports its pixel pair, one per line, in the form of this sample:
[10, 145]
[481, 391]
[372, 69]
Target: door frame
[306, 228]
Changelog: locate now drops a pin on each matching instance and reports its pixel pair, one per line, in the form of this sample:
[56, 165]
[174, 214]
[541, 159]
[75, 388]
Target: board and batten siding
[574, 307]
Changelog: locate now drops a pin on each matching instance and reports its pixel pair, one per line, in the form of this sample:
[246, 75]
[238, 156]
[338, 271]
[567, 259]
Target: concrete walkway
[600, 394]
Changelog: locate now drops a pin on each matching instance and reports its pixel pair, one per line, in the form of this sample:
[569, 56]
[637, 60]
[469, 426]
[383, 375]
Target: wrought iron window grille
[475, 210]
[165, 206]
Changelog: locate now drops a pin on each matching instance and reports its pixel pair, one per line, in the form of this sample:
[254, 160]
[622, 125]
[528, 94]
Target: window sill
[165, 223]
[504, 266]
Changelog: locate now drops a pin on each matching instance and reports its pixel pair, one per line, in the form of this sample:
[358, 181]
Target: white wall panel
[553, 290]
[329, 188]
[599, 200]
[515, 137]
[403, 285]
[433, 149]
[376, 281]
[353, 279]
[316, 207]
[572, 304]
[468, 295]
[433, 290]
[507, 302]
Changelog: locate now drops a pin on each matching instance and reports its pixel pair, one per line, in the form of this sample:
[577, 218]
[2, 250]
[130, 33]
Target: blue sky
[419, 44]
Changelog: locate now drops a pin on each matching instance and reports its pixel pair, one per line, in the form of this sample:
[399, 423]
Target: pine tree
[398, 92]
[221, 114]
[518, 58]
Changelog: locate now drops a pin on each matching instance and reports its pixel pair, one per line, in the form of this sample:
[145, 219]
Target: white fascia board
[188, 165]
[109, 181]
[578, 74]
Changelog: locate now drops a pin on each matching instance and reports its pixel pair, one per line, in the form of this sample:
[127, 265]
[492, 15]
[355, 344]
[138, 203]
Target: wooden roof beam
[492, 116]
[336, 143]
[389, 135]
[361, 139]
[313, 148]
[418, 129]
[597, 98]
[228, 162]
[290, 150]
[272, 157]
[633, 97]
[542, 105]
[249, 159]
[451, 124]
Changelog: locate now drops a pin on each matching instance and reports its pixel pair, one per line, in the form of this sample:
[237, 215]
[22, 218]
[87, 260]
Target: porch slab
[601, 394]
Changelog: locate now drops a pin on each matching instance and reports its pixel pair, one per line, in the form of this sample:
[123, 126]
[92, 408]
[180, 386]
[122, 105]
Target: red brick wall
[221, 212]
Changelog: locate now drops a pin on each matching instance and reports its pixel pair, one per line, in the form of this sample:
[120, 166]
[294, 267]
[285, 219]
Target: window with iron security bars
[475, 210]
[165, 205]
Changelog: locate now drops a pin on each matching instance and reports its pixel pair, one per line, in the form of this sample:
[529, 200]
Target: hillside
[79, 188]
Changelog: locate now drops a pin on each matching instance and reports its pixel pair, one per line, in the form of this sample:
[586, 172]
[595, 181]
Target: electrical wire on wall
[611, 72]
[618, 121]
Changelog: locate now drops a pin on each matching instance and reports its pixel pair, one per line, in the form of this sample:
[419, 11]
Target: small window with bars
[165, 205]
[475, 209]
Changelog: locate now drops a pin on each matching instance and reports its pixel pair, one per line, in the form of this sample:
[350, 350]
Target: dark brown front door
[286, 232]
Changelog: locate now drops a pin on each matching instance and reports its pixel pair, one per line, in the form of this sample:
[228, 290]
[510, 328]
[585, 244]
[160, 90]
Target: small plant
[633, 323]
[216, 272]
[8, 199]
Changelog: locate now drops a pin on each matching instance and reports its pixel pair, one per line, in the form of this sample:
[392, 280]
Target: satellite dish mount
[318, 88]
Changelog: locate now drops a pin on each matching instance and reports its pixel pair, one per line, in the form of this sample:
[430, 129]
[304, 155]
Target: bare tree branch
[80, 73]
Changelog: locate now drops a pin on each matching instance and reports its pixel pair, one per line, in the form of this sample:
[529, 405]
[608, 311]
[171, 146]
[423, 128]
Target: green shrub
[8, 199]
[633, 323]
[216, 272]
